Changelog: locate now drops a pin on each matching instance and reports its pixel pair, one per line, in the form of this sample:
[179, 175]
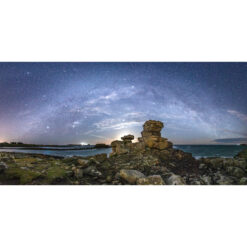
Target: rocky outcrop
[151, 152]
[151, 140]
[151, 135]
[223, 171]
[151, 160]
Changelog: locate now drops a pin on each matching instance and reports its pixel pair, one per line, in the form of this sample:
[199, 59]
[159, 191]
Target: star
[60, 103]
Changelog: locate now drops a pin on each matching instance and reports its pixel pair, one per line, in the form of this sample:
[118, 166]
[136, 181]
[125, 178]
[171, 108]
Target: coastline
[198, 151]
[152, 160]
[40, 169]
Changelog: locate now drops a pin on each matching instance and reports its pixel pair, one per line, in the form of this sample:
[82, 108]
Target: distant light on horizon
[83, 143]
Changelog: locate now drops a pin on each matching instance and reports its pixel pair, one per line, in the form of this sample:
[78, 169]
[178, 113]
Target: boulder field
[151, 160]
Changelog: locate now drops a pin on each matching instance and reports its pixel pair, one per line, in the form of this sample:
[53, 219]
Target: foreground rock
[150, 161]
[131, 176]
[175, 180]
[151, 180]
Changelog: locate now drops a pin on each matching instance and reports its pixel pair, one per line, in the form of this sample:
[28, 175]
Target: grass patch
[24, 176]
[55, 173]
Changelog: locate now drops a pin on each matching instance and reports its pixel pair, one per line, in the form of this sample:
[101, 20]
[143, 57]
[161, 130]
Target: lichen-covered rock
[216, 163]
[93, 161]
[223, 180]
[92, 171]
[100, 157]
[131, 176]
[175, 180]
[207, 180]
[151, 180]
[83, 163]
[235, 172]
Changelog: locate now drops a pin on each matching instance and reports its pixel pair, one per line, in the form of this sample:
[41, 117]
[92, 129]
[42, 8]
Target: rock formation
[151, 139]
[152, 154]
[151, 135]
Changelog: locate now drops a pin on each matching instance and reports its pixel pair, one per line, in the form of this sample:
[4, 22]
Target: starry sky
[73, 103]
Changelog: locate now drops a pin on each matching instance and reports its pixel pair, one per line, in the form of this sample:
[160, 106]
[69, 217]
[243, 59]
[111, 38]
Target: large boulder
[131, 176]
[92, 171]
[175, 180]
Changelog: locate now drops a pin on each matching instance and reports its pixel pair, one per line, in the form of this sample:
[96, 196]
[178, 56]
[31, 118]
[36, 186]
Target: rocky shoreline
[150, 161]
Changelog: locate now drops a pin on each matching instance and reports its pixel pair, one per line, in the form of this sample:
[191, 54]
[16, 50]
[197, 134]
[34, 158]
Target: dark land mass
[150, 161]
[19, 144]
[52, 147]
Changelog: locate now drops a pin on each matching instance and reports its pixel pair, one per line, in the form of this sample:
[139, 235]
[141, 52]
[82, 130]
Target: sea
[198, 151]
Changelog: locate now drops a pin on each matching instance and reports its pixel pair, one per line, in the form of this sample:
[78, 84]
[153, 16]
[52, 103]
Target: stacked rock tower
[151, 139]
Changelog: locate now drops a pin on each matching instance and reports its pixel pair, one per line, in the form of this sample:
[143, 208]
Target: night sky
[70, 103]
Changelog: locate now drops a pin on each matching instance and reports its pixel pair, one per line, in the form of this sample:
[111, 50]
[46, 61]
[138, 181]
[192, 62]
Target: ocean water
[197, 151]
